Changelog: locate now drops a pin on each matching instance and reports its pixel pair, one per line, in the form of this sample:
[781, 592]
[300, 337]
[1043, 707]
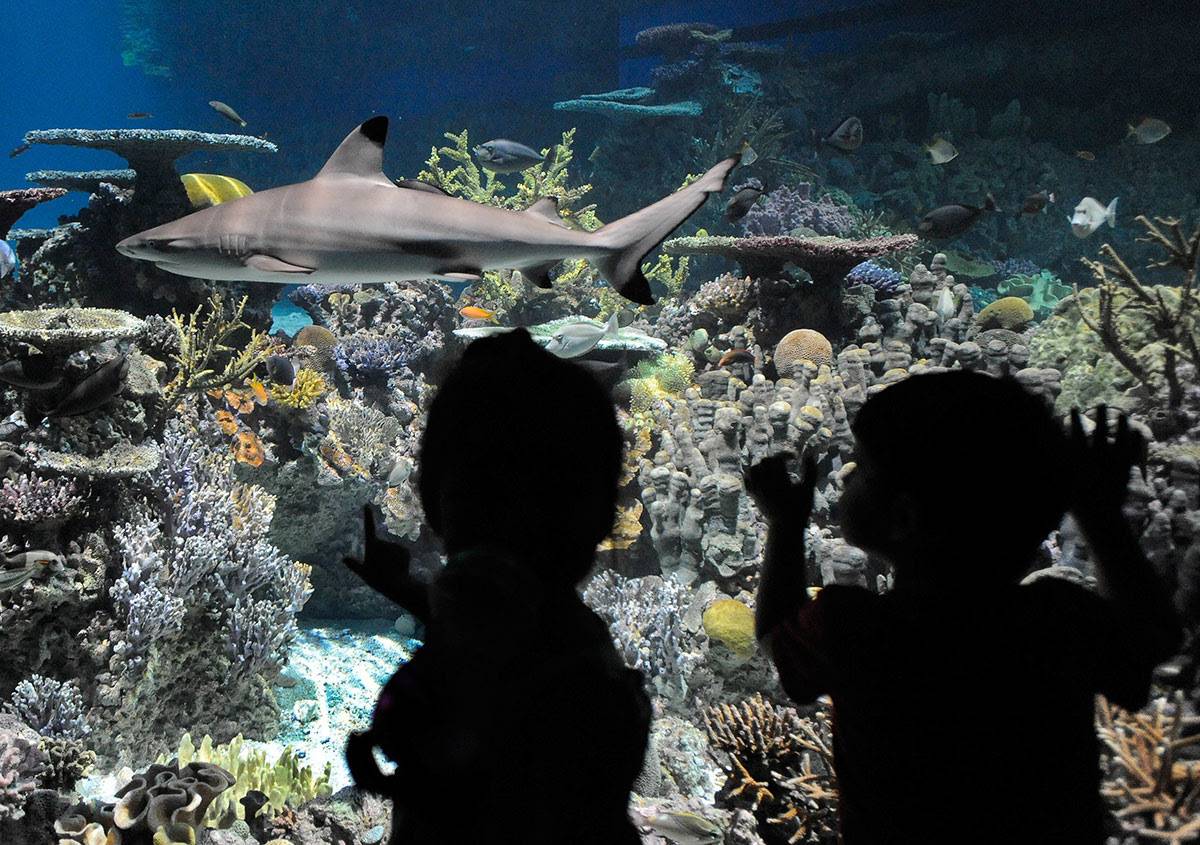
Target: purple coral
[30, 500]
[881, 278]
[1009, 267]
[372, 362]
[786, 209]
[21, 763]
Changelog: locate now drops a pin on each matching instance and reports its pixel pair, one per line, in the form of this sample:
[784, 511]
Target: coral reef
[786, 209]
[15, 203]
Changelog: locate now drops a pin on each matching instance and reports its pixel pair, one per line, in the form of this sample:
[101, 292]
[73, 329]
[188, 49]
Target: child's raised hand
[1100, 467]
[384, 565]
[777, 496]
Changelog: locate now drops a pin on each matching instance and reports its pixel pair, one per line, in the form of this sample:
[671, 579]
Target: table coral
[15, 203]
[65, 330]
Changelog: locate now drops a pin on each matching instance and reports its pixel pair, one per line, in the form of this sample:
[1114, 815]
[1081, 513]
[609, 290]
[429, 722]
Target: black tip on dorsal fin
[375, 129]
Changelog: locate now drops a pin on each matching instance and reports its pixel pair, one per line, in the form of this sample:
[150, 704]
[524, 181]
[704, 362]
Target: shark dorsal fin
[361, 154]
[547, 209]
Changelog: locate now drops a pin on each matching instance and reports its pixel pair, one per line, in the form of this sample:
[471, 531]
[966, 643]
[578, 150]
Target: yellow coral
[731, 623]
[308, 389]
[626, 528]
[1010, 312]
[802, 345]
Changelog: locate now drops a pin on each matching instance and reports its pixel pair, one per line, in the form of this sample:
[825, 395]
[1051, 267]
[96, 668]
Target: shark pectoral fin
[539, 274]
[546, 209]
[460, 275]
[271, 264]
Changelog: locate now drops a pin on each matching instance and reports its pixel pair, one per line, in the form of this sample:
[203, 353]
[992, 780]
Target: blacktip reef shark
[350, 224]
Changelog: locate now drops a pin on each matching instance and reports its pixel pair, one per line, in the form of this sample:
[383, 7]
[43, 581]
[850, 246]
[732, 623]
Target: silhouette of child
[516, 721]
[963, 701]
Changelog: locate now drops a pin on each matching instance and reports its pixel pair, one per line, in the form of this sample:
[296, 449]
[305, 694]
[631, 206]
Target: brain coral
[801, 345]
[731, 623]
[1010, 312]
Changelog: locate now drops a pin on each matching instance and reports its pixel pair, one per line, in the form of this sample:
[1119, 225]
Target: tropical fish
[941, 151]
[357, 227]
[280, 369]
[740, 203]
[580, 338]
[139, 115]
[1150, 131]
[24, 565]
[205, 189]
[400, 472]
[474, 312]
[847, 136]
[1090, 215]
[8, 260]
[501, 155]
[258, 391]
[736, 356]
[247, 449]
[684, 828]
[35, 372]
[949, 221]
[1036, 203]
[17, 150]
[226, 111]
[418, 185]
[1086, 155]
[98, 389]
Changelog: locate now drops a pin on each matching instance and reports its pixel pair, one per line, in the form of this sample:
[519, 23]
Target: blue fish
[8, 260]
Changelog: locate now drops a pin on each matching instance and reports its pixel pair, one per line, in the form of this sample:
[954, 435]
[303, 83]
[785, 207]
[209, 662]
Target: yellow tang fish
[205, 189]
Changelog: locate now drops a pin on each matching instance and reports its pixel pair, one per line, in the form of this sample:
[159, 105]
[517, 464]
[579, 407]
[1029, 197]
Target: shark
[351, 224]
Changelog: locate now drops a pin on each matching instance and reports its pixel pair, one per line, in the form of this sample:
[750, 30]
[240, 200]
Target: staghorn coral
[284, 779]
[778, 766]
[206, 358]
[645, 618]
[307, 390]
[1175, 321]
[52, 708]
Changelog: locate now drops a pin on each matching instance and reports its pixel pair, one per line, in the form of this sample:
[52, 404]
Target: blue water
[288, 317]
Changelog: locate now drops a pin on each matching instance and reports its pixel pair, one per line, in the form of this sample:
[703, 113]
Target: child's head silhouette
[522, 453]
[959, 478]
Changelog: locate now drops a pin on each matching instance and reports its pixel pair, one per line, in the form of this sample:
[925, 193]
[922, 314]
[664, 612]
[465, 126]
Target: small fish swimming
[474, 312]
[139, 115]
[1036, 203]
[1086, 155]
[19, 568]
[847, 136]
[226, 111]
[17, 150]
[949, 221]
[96, 390]
[580, 338]
[740, 203]
[941, 151]
[400, 472]
[35, 372]
[736, 356]
[280, 369]
[8, 260]
[1090, 215]
[1150, 131]
[501, 155]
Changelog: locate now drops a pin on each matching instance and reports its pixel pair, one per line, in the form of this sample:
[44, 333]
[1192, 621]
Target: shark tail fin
[631, 238]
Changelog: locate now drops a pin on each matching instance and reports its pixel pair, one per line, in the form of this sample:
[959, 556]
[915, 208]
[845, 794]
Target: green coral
[1010, 312]
[663, 377]
[731, 623]
[548, 179]
[1043, 291]
[284, 780]
[207, 357]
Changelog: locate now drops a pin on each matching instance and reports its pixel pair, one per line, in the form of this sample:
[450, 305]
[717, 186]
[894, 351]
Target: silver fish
[847, 136]
[580, 338]
[351, 225]
[501, 155]
[941, 151]
[683, 828]
[1090, 215]
[1150, 131]
[226, 111]
[8, 260]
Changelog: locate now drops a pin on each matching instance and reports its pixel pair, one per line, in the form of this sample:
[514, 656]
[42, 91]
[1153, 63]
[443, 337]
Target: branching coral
[778, 766]
[50, 707]
[30, 500]
[21, 764]
[206, 358]
[786, 209]
[371, 361]
[1155, 791]
[1173, 313]
[308, 389]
